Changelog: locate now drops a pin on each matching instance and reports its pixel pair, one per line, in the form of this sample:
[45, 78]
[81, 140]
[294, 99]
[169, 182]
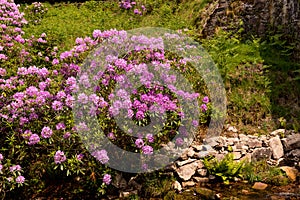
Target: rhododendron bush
[40, 87]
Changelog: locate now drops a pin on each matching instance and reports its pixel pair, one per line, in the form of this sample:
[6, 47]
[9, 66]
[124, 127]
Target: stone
[211, 141]
[184, 156]
[261, 153]
[201, 179]
[244, 147]
[203, 154]
[232, 141]
[187, 171]
[232, 129]
[177, 186]
[291, 172]
[188, 184]
[200, 164]
[253, 143]
[243, 138]
[246, 192]
[212, 177]
[198, 147]
[126, 194]
[190, 152]
[237, 155]
[207, 148]
[259, 186]
[221, 141]
[219, 156]
[293, 156]
[278, 132]
[291, 142]
[238, 146]
[202, 172]
[264, 140]
[181, 163]
[277, 147]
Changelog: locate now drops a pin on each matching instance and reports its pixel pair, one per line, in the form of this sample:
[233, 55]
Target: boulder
[177, 186]
[186, 172]
[259, 186]
[291, 172]
[291, 142]
[261, 153]
[277, 147]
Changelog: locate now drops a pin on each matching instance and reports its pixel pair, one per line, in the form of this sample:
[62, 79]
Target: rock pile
[280, 148]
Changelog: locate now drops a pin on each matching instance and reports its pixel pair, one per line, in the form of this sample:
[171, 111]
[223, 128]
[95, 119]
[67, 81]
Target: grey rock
[202, 172]
[200, 164]
[221, 141]
[187, 171]
[181, 163]
[243, 138]
[188, 184]
[237, 155]
[277, 147]
[219, 156]
[198, 147]
[244, 147]
[126, 194]
[278, 132]
[190, 152]
[291, 142]
[292, 156]
[177, 186]
[207, 148]
[230, 141]
[232, 129]
[211, 141]
[203, 154]
[253, 143]
[261, 153]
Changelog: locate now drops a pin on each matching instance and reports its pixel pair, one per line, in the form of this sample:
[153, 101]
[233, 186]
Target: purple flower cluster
[46, 132]
[35, 12]
[146, 149]
[205, 101]
[59, 157]
[101, 156]
[106, 179]
[128, 4]
[15, 171]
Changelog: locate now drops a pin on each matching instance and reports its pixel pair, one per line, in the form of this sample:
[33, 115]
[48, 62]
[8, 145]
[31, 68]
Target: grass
[65, 22]
[261, 171]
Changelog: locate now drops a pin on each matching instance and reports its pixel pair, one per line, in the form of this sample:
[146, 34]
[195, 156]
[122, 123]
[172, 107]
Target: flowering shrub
[39, 92]
[35, 12]
[133, 5]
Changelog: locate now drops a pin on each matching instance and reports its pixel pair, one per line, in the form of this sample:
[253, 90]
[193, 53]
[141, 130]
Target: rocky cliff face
[258, 17]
